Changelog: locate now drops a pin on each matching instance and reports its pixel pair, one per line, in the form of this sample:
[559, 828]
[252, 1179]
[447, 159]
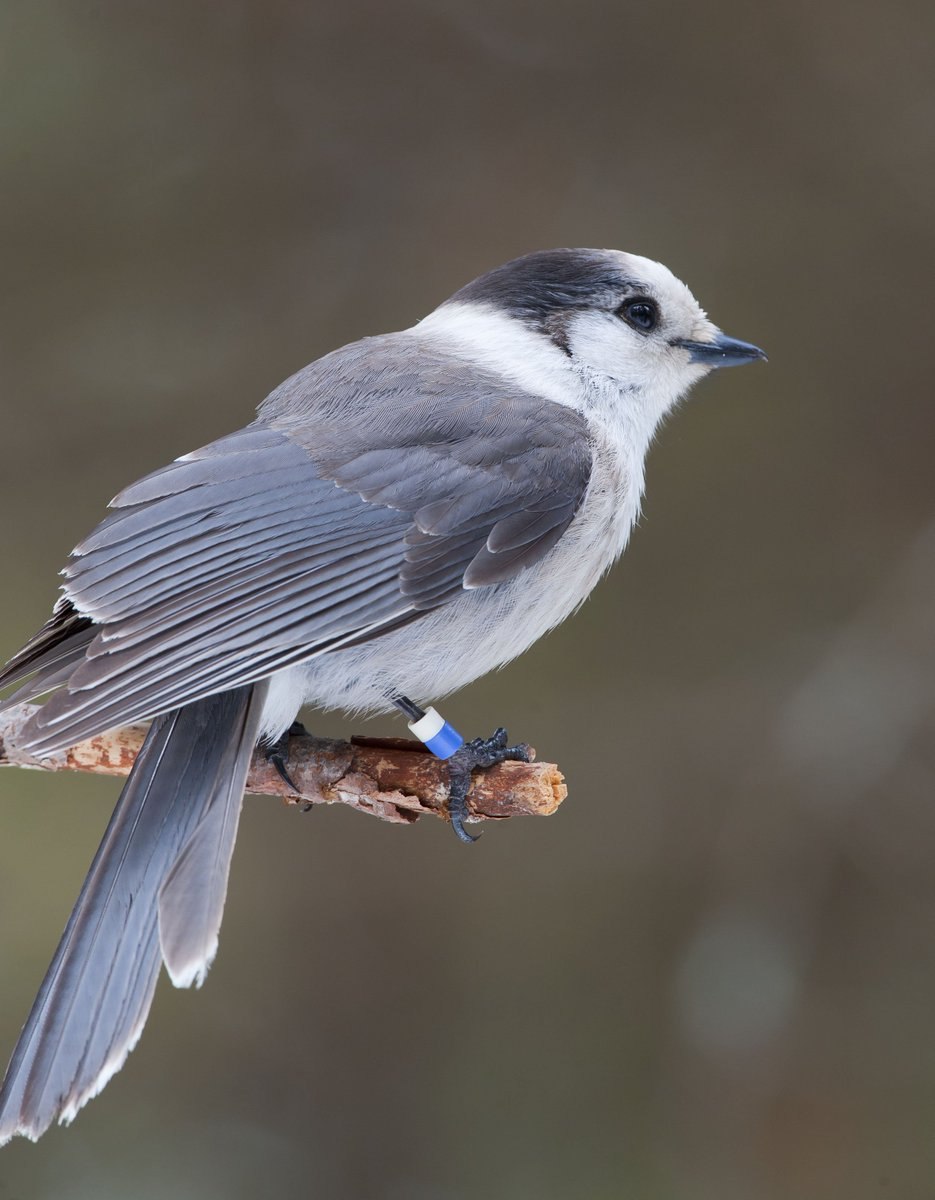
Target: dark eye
[641, 314]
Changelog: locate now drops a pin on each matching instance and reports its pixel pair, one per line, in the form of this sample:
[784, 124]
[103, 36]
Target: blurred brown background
[712, 975]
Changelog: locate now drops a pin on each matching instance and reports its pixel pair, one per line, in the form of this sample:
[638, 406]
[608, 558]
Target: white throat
[504, 346]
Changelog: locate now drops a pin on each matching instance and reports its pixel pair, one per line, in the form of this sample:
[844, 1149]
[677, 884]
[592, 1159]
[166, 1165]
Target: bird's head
[618, 317]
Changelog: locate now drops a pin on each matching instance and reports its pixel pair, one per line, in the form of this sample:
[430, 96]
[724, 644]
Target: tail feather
[97, 993]
[191, 899]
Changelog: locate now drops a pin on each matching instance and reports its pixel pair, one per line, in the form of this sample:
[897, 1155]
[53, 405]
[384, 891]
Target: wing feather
[393, 478]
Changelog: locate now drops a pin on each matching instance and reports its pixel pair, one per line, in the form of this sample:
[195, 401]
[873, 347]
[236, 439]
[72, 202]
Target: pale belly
[476, 633]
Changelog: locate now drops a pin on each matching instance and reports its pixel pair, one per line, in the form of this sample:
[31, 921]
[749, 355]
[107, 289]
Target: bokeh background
[711, 976]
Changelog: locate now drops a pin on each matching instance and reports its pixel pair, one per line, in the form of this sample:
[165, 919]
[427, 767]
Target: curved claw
[279, 763]
[277, 753]
[457, 824]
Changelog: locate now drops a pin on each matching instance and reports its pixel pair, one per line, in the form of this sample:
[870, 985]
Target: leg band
[438, 736]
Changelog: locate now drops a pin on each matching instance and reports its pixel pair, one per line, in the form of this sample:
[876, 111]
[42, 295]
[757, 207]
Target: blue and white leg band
[437, 735]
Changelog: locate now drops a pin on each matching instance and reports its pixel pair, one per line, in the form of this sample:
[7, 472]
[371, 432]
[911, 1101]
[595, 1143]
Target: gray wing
[490, 475]
[374, 486]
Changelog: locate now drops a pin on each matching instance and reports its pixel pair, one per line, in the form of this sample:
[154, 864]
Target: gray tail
[155, 892]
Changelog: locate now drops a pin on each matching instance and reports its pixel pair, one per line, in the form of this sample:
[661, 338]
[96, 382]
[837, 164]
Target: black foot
[277, 752]
[482, 753]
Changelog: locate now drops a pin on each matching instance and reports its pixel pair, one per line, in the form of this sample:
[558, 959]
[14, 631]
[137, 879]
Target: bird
[403, 515]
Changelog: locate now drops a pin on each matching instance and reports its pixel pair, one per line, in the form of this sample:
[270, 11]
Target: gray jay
[403, 515]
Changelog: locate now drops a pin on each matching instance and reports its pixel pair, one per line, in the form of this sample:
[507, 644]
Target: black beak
[724, 351]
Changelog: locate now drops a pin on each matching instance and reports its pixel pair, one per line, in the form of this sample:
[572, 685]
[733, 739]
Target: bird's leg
[463, 757]
[277, 752]
[479, 753]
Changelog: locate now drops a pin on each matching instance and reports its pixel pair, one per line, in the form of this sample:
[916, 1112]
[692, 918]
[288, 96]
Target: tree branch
[394, 779]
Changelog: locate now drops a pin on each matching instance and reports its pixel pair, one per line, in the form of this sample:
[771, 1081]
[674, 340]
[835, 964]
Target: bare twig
[394, 779]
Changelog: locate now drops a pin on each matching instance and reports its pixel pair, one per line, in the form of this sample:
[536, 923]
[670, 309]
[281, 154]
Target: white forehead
[658, 279]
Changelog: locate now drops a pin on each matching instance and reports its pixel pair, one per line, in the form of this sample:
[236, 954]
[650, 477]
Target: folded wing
[374, 486]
